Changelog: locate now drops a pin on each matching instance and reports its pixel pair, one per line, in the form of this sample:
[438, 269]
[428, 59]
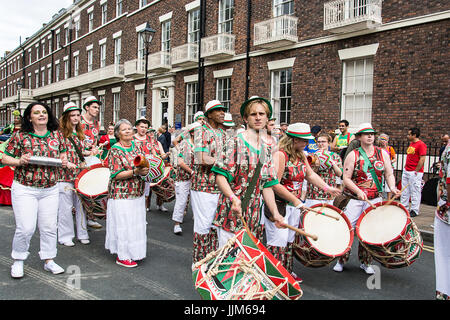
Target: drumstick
[300, 231]
[322, 213]
[370, 203]
[396, 196]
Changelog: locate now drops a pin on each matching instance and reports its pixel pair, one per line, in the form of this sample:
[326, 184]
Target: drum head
[93, 181]
[91, 160]
[382, 224]
[335, 237]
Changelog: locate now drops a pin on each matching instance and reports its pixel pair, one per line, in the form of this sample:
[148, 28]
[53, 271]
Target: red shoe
[296, 278]
[126, 263]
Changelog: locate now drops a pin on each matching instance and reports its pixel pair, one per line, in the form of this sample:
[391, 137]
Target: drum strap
[371, 169]
[251, 186]
[78, 151]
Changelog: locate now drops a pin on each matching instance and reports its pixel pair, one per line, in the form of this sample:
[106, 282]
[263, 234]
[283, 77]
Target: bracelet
[231, 197]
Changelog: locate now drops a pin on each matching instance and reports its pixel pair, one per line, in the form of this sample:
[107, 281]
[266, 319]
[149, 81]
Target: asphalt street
[91, 272]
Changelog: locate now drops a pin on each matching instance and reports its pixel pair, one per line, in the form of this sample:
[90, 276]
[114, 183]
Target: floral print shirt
[121, 159]
[210, 141]
[237, 162]
[50, 145]
[442, 211]
[69, 175]
[91, 130]
[328, 175]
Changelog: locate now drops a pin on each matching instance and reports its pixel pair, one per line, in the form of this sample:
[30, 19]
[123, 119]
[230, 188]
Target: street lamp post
[147, 37]
[19, 87]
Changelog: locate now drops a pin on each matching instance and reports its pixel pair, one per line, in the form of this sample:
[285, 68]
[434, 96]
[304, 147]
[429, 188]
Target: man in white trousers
[413, 172]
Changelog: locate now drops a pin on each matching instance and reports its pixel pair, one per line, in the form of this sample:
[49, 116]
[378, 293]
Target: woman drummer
[126, 231]
[364, 169]
[292, 170]
[328, 166]
[34, 192]
[72, 131]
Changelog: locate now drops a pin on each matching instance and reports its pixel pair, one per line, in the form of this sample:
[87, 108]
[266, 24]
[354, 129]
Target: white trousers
[67, 200]
[280, 237]
[126, 228]
[34, 206]
[355, 208]
[310, 202]
[182, 189]
[413, 191]
[204, 206]
[442, 255]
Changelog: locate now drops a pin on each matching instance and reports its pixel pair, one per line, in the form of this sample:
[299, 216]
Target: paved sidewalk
[425, 222]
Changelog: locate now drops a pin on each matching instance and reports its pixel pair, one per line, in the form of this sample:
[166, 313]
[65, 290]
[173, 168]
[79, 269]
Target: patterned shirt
[293, 175]
[69, 175]
[363, 178]
[91, 130]
[147, 143]
[237, 162]
[328, 175]
[442, 211]
[121, 159]
[210, 141]
[186, 152]
[50, 145]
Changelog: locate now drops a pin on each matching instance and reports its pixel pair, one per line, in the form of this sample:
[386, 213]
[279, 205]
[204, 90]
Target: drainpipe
[201, 67]
[247, 59]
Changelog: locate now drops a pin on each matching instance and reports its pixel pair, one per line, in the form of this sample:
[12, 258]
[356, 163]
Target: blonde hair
[287, 144]
[250, 105]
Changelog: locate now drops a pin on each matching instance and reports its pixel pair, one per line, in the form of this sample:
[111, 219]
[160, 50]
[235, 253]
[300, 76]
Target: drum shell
[304, 249]
[244, 246]
[94, 205]
[164, 188]
[390, 253]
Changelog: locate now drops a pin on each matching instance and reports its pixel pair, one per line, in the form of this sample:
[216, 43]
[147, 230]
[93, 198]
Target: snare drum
[243, 269]
[164, 187]
[335, 237]
[92, 188]
[389, 235]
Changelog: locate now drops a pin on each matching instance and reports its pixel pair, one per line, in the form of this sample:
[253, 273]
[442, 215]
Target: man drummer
[208, 141]
[364, 169]
[91, 129]
[141, 138]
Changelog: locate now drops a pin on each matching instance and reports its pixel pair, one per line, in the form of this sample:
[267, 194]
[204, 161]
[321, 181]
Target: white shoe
[17, 269]
[339, 267]
[69, 243]
[177, 229]
[85, 241]
[367, 268]
[162, 208]
[52, 267]
[94, 224]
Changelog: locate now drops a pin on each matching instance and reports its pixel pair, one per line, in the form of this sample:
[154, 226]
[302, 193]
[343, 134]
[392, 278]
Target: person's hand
[142, 171]
[396, 192]
[362, 196]
[24, 159]
[279, 220]
[71, 166]
[236, 206]
[334, 191]
[64, 160]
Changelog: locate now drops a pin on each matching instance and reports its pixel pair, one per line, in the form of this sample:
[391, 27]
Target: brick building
[385, 62]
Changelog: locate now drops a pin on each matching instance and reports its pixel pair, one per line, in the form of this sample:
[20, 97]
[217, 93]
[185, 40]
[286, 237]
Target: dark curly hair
[27, 126]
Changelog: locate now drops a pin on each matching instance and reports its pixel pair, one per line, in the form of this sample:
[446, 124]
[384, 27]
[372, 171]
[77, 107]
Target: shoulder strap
[251, 186]
[371, 169]
[78, 151]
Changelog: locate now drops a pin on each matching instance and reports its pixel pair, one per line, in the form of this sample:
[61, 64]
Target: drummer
[328, 167]
[91, 129]
[185, 162]
[34, 191]
[126, 230]
[70, 128]
[208, 142]
[292, 171]
[143, 139]
[364, 186]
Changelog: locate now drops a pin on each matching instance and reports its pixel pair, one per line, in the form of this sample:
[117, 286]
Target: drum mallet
[322, 213]
[300, 231]
[394, 197]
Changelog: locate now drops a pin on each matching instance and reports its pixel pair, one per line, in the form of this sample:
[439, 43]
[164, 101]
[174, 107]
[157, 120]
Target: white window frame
[223, 91]
[76, 65]
[66, 69]
[104, 10]
[91, 21]
[117, 50]
[140, 107]
[119, 8]
[192, 105]
[166, 27]
[226, 15]
[281, 95]
[90, 59]
[116, 106]
[193, 26]
[57, 71]
[103, 55]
